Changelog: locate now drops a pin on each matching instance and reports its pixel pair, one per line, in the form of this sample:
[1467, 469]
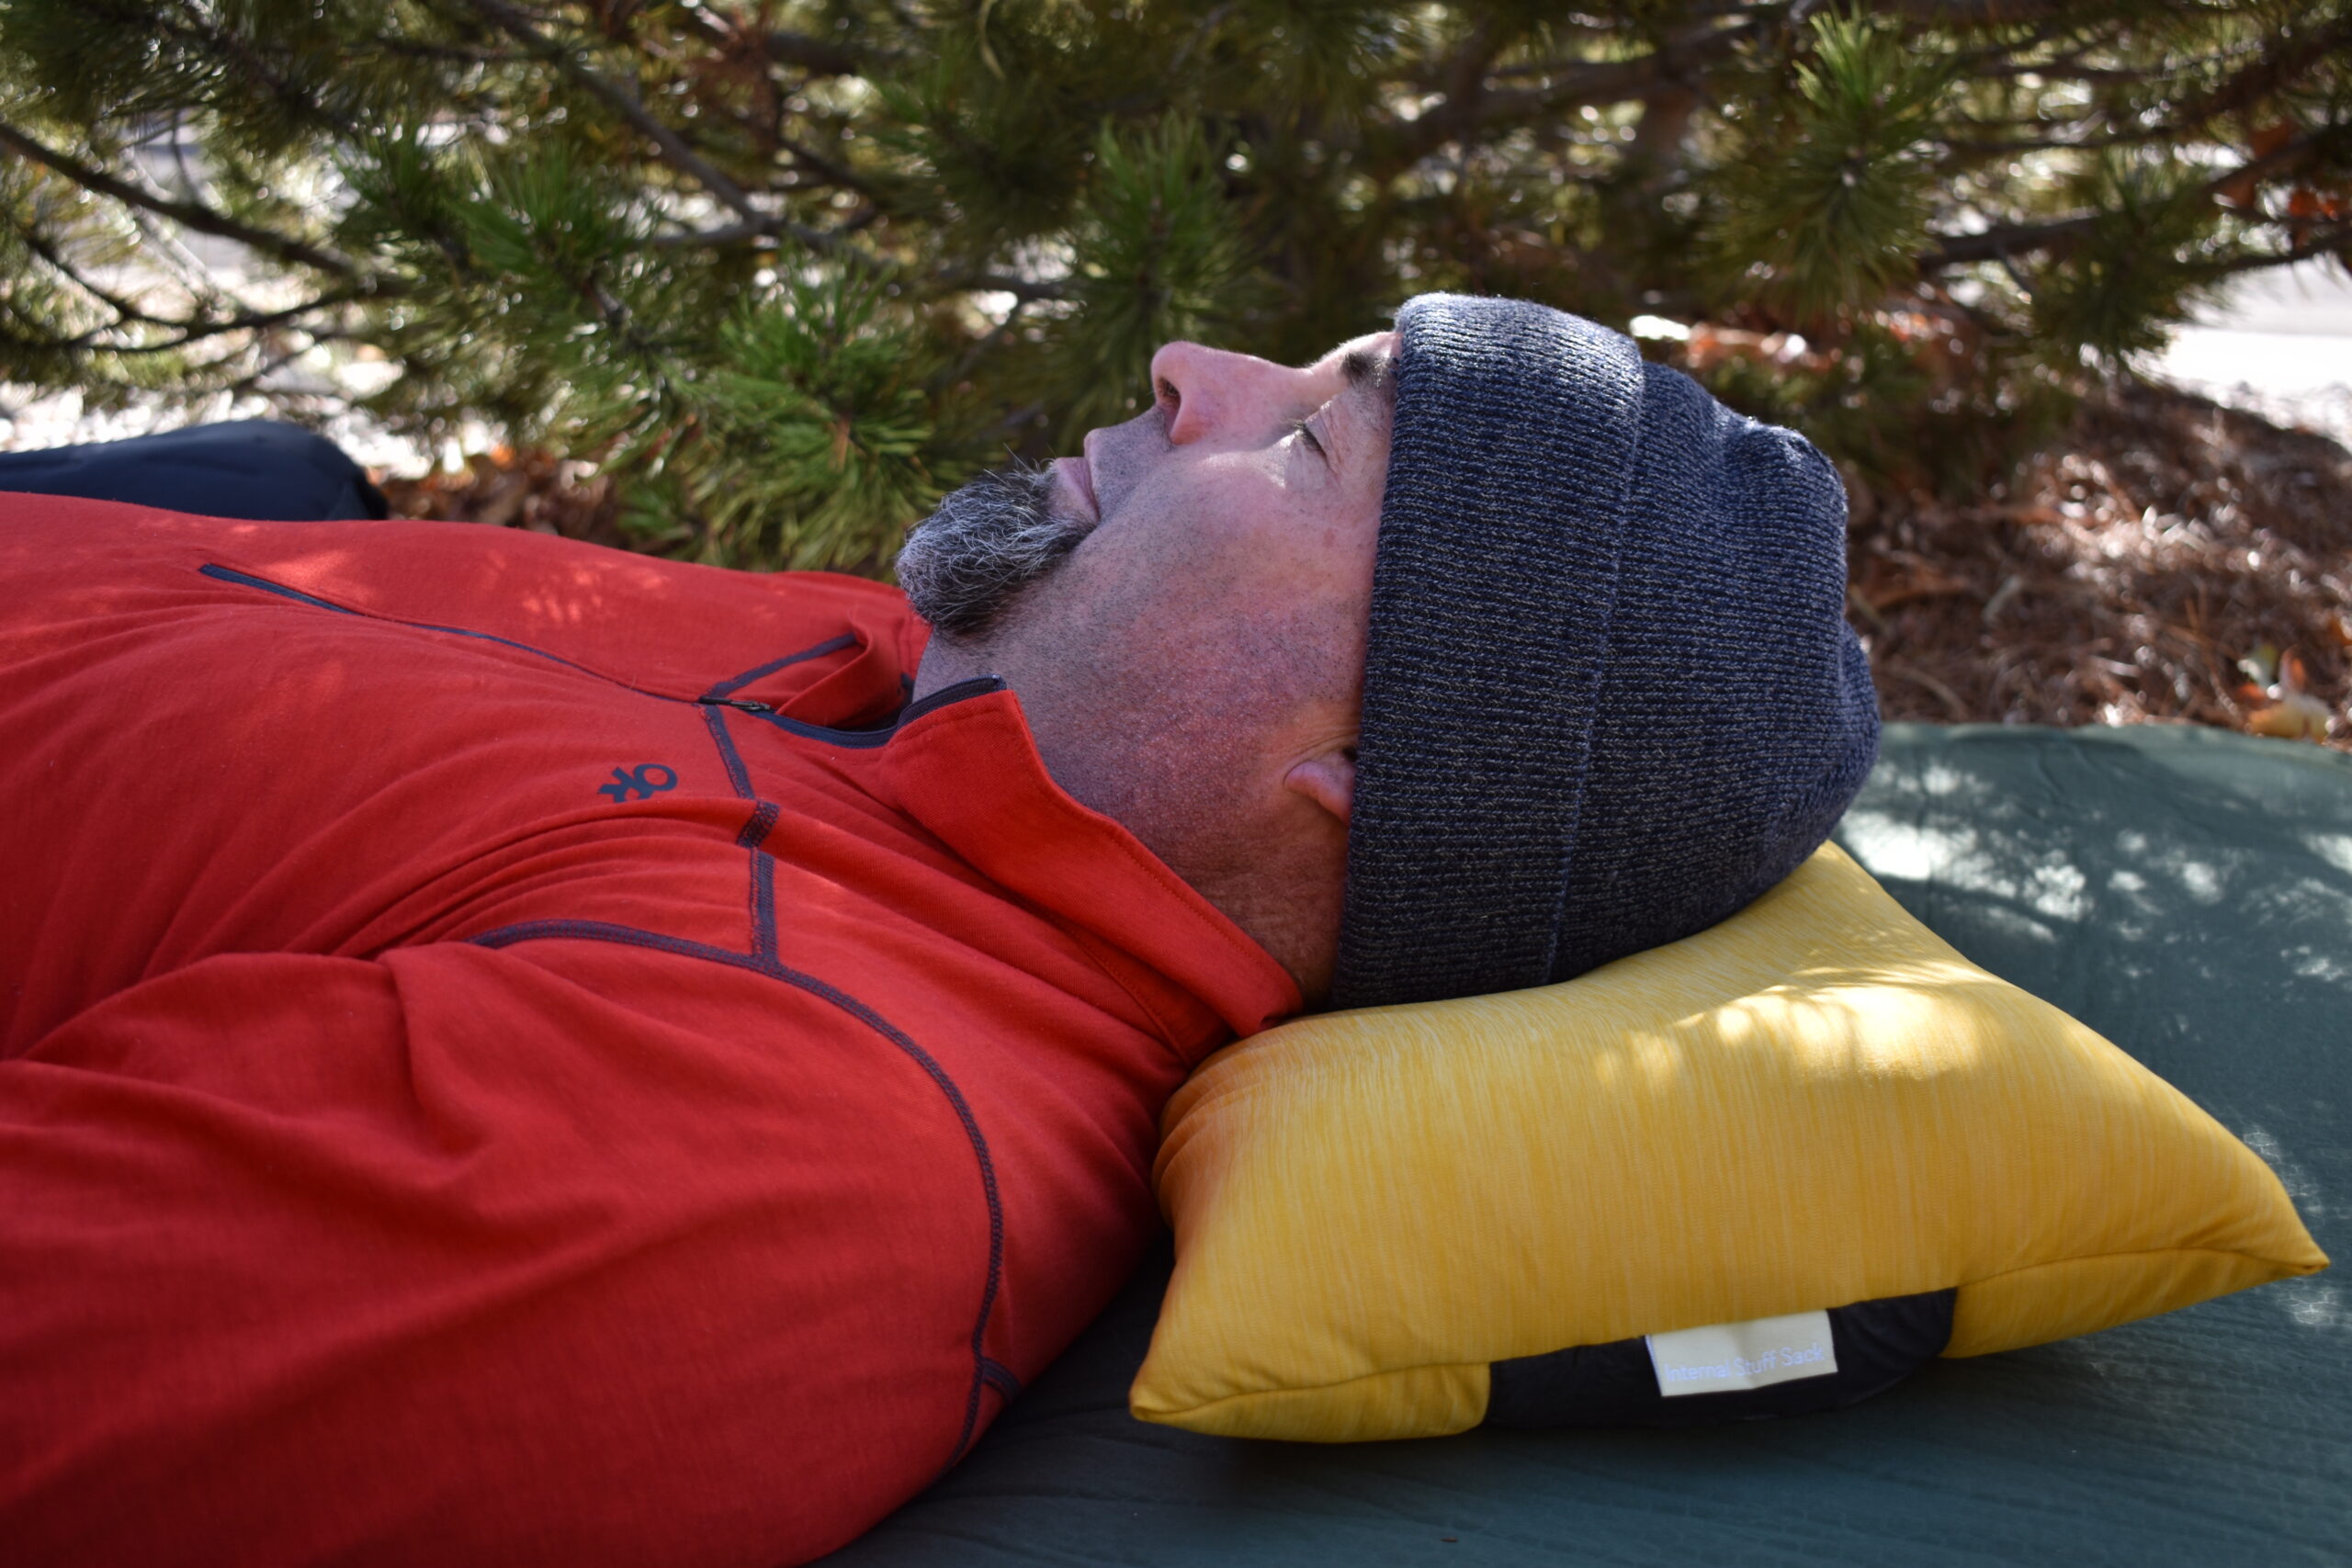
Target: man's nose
[1207, 392]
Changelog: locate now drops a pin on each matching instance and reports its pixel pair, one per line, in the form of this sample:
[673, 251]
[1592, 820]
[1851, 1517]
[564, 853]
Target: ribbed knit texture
[1611, 695]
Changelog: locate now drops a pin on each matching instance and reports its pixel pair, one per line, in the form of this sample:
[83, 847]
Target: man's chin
[988, 542]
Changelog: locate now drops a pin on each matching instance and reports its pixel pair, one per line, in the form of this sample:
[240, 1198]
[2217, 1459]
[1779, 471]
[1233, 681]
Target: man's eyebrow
[1369, 370]
[1366, 371]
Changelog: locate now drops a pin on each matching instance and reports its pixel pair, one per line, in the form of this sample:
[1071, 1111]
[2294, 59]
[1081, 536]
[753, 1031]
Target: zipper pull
[742, 704]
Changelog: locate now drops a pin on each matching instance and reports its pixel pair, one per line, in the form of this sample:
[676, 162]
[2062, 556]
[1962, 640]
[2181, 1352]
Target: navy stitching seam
[762, 959]
[730, 687]
[755, 831]
[631, 936]
[856, 740]
[978, 686]
[753, 834]
[764, 939]
[246, 579]
[715, 720]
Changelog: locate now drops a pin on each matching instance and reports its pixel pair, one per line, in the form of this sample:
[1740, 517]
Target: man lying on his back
[521, 1052]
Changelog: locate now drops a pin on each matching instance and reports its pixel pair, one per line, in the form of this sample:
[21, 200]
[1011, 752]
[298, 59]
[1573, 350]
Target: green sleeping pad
[2188, 893]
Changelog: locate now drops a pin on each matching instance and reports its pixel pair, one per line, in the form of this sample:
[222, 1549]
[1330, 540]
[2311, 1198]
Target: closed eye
[1300, 428]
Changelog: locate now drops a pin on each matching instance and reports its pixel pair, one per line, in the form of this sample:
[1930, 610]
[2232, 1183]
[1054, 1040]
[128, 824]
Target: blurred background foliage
[786, 269]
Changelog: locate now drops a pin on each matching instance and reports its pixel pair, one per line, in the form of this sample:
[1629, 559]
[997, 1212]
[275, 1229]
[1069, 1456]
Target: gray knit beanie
[1611, 695]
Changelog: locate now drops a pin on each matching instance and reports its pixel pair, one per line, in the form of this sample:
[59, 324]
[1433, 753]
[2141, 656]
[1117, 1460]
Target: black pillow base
[1877, 1344]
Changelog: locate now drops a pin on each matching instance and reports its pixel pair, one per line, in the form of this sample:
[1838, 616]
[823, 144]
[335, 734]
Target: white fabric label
[1754, 1354]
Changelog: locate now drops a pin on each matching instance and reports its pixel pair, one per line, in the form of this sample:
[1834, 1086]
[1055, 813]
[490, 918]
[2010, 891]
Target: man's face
[1183, 612]
[1241, 471]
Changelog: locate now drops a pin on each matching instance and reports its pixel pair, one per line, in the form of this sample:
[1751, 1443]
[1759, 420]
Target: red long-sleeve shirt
[515, 1052]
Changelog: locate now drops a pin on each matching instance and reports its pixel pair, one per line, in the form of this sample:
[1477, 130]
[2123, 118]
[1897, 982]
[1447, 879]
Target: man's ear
[1328, 778]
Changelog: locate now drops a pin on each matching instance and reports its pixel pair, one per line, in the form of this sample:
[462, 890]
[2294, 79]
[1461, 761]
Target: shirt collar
[962, 764]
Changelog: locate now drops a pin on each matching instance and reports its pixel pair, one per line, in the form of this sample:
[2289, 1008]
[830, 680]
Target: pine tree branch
[456, 53]
[981, 347]
[716, 238]
[2024, 239]
[674, 149]
[2282, 160]
[187, 214]
[771, 226]
[2272, 69]
[1024, 290]
[1688, 16]
[195, 332]
[251, 381]
[227, 43]
[2005, 241]
[814, 55]
[124, 310]
[819, 57]
[1202, 30]
[1464, 83]
[2268, 72]
[826, 169]
[1969, 153]
[2068, 68]
[730, 37]
[1609, 81]
[1975, 12]
[2330, 240]
[824, 58]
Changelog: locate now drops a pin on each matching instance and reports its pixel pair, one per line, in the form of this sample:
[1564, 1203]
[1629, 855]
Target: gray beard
[964, 566]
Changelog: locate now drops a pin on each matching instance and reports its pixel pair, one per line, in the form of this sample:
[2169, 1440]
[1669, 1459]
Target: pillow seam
[2291, 1270]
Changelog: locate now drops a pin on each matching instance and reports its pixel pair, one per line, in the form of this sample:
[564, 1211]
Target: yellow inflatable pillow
[1816, 1103]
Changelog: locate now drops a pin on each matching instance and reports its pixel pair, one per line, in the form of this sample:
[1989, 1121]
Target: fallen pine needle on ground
[2171, 560]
